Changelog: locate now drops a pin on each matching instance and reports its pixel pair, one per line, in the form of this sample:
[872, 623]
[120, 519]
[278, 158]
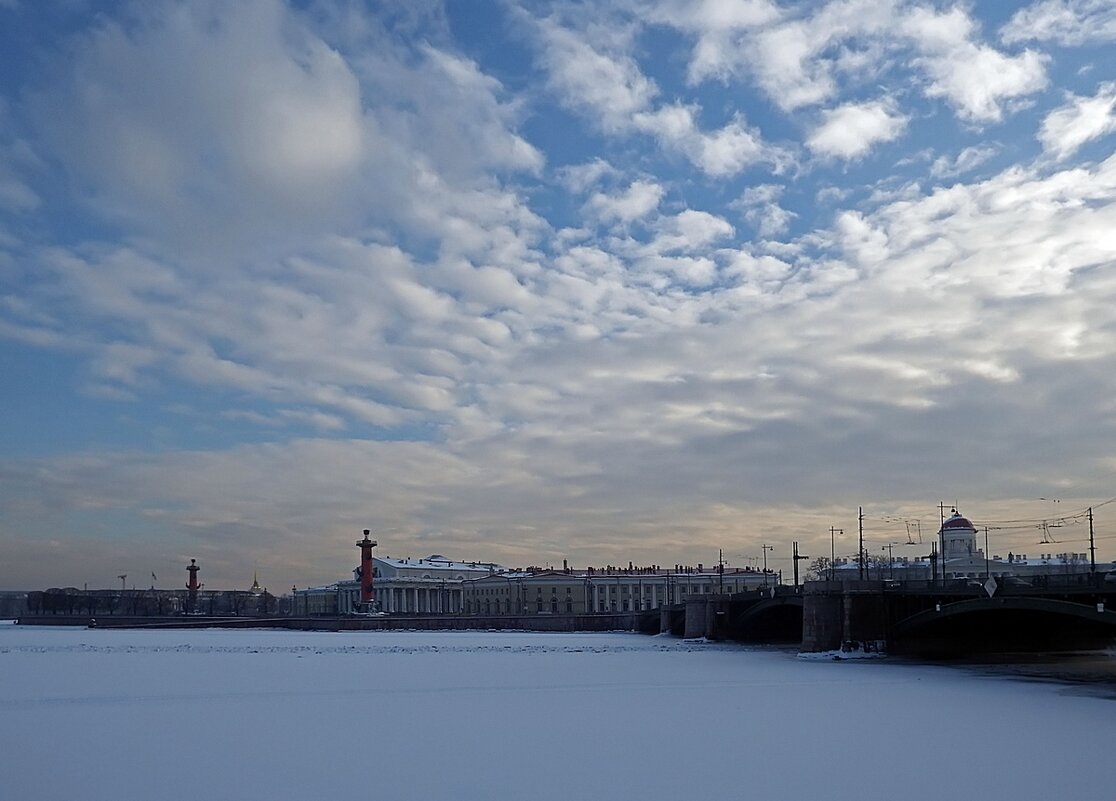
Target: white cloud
[690, 231]
[852, 130]
[968, 159]
[719, 153]
[612, 91]
[718, 27]
[806, 56]
[976, 79]
[1067, 22]
[797, 60]
[636, 202]
[192, 111]
[1080, 120]
[219, 130]
[609, 86]
[15, 194]
[580, 177]
[760, 207]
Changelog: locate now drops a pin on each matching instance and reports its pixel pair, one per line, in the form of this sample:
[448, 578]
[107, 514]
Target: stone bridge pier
[835, 615]
[705, 617]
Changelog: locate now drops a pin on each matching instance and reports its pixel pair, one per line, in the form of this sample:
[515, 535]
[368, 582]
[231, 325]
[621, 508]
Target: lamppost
[832, 549]
[766, 548]
[890, 560]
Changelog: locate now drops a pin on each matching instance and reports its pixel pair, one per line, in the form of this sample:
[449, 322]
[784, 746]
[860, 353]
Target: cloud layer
[641, 282]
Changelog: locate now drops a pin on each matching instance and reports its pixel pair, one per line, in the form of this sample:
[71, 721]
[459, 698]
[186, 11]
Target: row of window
[490, 607]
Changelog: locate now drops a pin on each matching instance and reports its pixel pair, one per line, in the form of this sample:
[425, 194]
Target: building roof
[958, 523]
[438, 562]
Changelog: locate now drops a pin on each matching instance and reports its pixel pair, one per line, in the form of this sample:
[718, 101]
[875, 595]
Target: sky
[644, 280]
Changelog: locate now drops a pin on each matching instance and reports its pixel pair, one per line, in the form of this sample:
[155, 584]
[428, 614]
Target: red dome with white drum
[956, 521]
[958, 537]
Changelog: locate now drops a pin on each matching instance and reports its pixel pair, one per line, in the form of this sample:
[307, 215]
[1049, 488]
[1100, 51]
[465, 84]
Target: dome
[957, 522]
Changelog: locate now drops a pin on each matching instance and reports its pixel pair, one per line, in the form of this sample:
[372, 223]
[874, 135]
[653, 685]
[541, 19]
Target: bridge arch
[981, 625]
[770, 620]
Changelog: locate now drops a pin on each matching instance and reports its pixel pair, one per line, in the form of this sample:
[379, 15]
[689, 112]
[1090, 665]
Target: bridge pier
[832, 616]
[706, 617]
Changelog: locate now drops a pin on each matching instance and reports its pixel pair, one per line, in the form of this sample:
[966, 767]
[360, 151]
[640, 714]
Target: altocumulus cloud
[625, 282]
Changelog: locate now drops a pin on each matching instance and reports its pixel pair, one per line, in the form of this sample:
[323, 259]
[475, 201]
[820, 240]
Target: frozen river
[219, 714]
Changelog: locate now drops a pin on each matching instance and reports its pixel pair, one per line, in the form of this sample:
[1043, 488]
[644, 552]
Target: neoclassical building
[430, 585]
[609, 590]
[436, 585]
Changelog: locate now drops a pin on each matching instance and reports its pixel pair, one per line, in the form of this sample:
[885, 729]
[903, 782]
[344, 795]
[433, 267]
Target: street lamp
[890, 560]
[832, 549]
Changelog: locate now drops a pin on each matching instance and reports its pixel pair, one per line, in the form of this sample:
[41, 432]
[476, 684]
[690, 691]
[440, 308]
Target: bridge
[926, 618]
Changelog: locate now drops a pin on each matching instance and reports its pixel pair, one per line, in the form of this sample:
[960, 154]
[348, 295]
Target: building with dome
[964, 558]
[959, 538]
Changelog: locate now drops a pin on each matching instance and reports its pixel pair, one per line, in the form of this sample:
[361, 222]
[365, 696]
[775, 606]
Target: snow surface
[223, 714]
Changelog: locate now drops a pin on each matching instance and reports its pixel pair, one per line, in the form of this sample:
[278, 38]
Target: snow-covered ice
[222, 714]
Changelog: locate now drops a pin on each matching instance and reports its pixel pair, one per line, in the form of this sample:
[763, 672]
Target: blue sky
[531, 281]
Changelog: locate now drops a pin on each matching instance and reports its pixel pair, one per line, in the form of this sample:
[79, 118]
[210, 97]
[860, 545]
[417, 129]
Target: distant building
[438, 585]
[13, 603]
[630, 589]
[965, 559]
[431, 585]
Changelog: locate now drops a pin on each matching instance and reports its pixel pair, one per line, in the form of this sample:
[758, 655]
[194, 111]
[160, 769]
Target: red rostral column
[192, 584]
[366, 545]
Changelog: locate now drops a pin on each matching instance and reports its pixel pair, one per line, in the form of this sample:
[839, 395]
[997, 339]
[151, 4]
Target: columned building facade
[616, 590]
[432, 585]
[435, 585]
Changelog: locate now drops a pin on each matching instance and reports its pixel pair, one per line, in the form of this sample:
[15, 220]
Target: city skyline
[532, 281]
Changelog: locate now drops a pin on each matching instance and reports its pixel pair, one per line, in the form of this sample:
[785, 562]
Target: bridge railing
[1005, 585]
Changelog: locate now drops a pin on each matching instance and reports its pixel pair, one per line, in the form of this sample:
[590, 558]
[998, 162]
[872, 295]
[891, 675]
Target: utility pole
[890, 561]
[1092, 545]
[941, 540]
[832, 551]
[797, 559]
[860, 555]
